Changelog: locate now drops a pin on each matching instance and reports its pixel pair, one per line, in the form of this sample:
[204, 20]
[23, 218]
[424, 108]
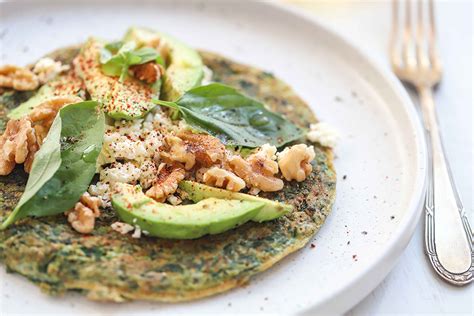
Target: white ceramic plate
[380, 159]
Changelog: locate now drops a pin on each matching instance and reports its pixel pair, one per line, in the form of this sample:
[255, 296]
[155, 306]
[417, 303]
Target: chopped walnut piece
[192, 148]
[149, 72]
[43, 115]
[221, 178]
[179, 152]
[207, 149]
[82, 217]
[295, 162]
[263, 161]
[17, 145]
[253, 178]
[259, 169]
[166, 182]
[18, 78]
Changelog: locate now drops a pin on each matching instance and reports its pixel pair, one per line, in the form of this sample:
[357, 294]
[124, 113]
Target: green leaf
[234, 118]
[146, 54]
[65, 164]
[114, 47]
[117, 57]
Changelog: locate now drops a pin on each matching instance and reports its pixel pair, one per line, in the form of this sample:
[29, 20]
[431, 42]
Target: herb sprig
[234, 118]
[117, 57]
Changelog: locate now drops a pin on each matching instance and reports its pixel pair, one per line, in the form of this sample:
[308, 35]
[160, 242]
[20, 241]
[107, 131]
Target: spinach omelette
[107, 266]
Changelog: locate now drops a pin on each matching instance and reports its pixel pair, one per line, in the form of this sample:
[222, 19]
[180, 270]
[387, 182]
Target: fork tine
[394, 55]
[421, 55]
[407, 49]
[433, 50]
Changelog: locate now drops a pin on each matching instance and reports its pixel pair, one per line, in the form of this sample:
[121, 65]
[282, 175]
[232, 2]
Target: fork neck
[428, 108]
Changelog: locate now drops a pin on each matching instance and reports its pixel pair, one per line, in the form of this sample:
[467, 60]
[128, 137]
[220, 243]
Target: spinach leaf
[65, 164]
[234, 118]
[117, 57]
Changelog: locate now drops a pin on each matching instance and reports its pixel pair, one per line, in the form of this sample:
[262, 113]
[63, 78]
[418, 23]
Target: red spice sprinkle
[313, 246]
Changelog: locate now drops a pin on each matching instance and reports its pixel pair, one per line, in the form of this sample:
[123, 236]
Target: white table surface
[412, 287]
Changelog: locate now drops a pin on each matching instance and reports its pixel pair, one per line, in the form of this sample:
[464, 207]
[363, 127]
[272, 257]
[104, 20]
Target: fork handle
[448, 236]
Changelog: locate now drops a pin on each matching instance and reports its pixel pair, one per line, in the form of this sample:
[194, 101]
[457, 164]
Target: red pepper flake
[354, 257]
[313, 246]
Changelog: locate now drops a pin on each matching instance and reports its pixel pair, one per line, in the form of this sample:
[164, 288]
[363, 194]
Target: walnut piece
[254, 178]
[43, 115]
[166, 182]
[295, 162]
[179, 151]
[221, 178]
[82, 217]
[259, 169]
[17, 145]
[207, 149]
[263, 161]
[149, 72]
[194, 149]
[18, 78]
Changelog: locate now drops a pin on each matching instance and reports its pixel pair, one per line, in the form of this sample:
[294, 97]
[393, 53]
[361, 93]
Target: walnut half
[166, 182]
[221, 178]
[82, 217]
[149, 72]
[295, 162]
[259, 169]
[17, 145]
[18, 78]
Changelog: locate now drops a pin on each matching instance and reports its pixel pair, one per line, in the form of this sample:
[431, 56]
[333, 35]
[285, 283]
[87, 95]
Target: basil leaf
[146, 54]
[117, 57]
[114, 66]
[234, 118]
[114, 47]
[64, 166]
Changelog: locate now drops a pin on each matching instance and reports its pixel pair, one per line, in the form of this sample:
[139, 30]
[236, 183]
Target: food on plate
[144, 169]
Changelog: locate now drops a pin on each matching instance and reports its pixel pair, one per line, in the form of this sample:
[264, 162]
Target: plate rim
[350, 295]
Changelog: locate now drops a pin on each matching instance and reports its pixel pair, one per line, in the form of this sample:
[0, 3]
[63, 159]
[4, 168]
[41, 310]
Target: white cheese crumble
[120, 172]
[131, 152]
[208, 73]
[122, 228]
[324, 134]
[174, 200]
[137, 233]
[47, 68]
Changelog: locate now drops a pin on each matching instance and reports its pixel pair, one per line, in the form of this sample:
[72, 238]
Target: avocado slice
[127, 100]
[43, 94]
[184, 69]
[209, 216]
[271, 209]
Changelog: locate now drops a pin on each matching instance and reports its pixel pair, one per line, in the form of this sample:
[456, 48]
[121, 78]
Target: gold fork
[415, 60]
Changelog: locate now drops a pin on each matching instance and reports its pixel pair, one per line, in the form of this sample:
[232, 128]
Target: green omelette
[156, 172]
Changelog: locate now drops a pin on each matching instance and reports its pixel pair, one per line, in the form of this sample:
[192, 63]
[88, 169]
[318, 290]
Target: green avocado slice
[271, 209]
[43, 94]
[209, 216]
[127, 100]
[184, 69]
